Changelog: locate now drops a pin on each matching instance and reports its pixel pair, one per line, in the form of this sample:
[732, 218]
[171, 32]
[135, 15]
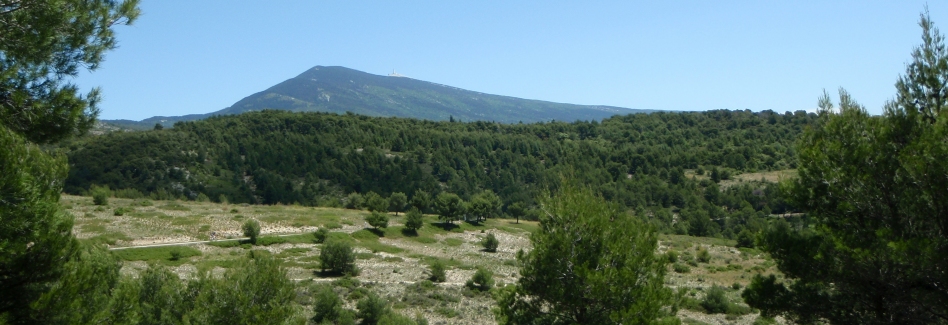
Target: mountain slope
[340, 90]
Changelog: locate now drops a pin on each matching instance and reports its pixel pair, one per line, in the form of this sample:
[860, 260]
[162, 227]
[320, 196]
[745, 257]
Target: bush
[321, 235]
[252, 229]
[704, 256]
[371, 309]
[175, 254]
[377, 219]
[414, 220]
[745, 239]
[128, 193]
[122, 211]
[490, 243]
[482, 280]
[100, 195]
[337, 257]
[354, 201]
[681, 268]
[671, 256]
[327, 306]
[438, 273]
[715, 301]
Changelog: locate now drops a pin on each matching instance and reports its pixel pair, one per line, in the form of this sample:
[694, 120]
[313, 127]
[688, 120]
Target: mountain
[341, 90]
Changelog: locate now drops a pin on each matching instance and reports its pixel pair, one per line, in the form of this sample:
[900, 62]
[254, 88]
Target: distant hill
[341, 90]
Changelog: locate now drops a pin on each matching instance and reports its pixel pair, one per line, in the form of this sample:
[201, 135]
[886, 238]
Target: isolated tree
[517, 210]
[482, 280]
[421, 200]
[876, 188]
[450, 207]
[100, 195]
[485, 205]
[591, 263]
[377, 219]
[397, 202]
[336, 257]
[437, 272]
[414, 220]
[251, 229]
[490, 243]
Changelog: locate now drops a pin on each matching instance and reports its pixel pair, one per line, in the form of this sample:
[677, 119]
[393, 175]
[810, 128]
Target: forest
[655, 164]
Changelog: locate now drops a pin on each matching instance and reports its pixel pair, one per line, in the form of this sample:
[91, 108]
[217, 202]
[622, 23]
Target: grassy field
[393, 261]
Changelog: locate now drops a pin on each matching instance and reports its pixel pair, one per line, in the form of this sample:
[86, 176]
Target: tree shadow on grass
[377, 232]
[448, 226]
[409, 232]
[327, 274]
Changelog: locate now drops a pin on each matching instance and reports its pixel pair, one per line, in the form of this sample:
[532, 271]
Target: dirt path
[185, 243]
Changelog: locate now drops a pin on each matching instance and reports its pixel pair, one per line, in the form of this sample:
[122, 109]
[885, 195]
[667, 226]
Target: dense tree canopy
[44, 275]
[653, 163]
[45, 42]
[877, 189]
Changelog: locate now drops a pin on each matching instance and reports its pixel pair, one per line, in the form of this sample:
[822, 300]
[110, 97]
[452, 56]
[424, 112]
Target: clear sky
[187, 57]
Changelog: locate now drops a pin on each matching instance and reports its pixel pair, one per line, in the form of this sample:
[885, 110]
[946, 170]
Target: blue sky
[186, 57]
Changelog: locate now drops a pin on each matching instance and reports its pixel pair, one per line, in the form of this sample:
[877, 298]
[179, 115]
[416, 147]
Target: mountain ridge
[340, 90]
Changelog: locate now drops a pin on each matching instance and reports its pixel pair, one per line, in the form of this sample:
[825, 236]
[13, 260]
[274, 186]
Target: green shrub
[121, 211]
[482, 280]
[337, 257]
[175, 254]
[321, 235]
[681, 268]
[377, 219]
[715, 301]
[251, 229]
[354, 201]
[327, 306]
[414, 220]
[371, 309]
[490, 243]
[745, 239]
[671, 256]
[128, 193]
[100, 195]
[704, 256]
[437, 272]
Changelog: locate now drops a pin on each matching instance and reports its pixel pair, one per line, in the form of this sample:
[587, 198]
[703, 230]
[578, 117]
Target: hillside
[664, 162]
[341, 90]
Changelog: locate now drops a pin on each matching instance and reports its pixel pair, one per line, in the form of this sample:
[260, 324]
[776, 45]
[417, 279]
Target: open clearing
[394, 264]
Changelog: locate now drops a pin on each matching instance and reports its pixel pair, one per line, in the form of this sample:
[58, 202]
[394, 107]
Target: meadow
[191, 238]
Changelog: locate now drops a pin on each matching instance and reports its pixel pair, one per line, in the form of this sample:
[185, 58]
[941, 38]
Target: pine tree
[876, 187]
